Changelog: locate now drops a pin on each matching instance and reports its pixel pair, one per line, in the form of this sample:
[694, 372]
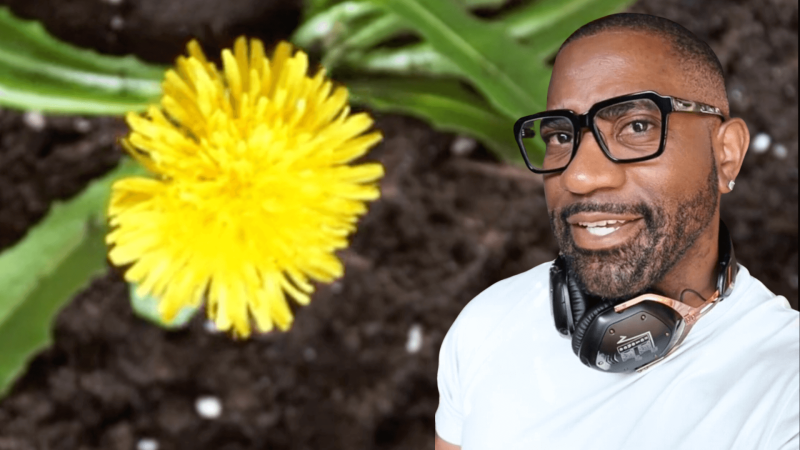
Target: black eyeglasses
[629, 129]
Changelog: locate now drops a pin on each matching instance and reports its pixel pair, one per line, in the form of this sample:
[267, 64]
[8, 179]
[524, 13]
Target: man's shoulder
[757, 303]
[760, 324]
[506, 293]
[514, 297]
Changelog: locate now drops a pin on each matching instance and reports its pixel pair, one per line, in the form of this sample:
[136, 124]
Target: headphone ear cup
[583, 325]
[568, 301]
[560, 298]
[578, 301]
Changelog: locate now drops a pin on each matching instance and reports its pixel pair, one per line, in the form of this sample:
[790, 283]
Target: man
[639, 147]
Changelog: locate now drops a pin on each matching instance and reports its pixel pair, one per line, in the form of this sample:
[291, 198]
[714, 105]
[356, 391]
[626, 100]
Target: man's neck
[697, 270]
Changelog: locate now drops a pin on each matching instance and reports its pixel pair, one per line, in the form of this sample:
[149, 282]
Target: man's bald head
[697, 61]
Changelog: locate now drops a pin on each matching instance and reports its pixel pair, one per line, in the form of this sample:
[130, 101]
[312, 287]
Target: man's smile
[601, 231]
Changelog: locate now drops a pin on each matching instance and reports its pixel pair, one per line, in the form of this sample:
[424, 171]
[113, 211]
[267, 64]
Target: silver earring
[731, 184]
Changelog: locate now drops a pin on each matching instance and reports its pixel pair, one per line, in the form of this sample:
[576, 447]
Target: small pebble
[780, 151]
[117, 23]
[34, 120]
[210, 327]
[372, 329]
[463, 146]
[337, 287]
[737, 95]
[793, 282]
[82, 125]
[414, 342]
[309, 354]
[761, 143]
[147, 444]
[113, 2]
[208, 407]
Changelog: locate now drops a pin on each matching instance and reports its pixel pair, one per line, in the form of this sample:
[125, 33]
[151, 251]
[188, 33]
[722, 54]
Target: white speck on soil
[737, 95]
[147, 444]
[761, 143]
[117, 23]
[463, 146]
[780, 151]
[210, 327]
[34, 120]
[414, 341]
[82, 125]
[208, 407]
[309, 354]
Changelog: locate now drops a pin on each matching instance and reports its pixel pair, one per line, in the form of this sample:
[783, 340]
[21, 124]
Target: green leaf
[314, 7]
[372, 33]
[446, 105]
[414, 59]
[146, 307]
[324, 17]
[344, 30]
[55, 260]
[37, 71]
[30, 91]
[499, 67]
[546, 24]
[482, 3]
[504, 58]
[329, 25]
[31, 37]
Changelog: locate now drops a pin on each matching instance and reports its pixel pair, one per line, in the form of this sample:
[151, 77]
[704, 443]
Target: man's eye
[557, 138]
[640, 126]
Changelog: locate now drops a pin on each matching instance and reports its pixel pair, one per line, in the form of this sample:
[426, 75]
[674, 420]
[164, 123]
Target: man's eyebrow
[617, 110]
[558, 122]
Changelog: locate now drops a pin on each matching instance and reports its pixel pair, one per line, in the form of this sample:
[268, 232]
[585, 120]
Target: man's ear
[732, 141]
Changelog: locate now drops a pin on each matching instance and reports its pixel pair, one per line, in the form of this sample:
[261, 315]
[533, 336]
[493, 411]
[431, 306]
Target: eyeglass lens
[629, 130]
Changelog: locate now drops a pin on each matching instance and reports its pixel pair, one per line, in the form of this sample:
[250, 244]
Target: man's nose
[591, 170]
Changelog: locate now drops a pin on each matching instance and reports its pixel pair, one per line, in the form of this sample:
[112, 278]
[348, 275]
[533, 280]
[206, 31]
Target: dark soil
[446, 228]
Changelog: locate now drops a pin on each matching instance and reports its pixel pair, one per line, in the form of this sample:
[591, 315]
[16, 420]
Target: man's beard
[631, 269]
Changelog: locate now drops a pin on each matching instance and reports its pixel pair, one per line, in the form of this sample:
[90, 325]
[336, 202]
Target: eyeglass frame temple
[681, 105]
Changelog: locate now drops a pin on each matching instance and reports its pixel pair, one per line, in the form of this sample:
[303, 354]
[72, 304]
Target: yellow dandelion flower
[252, 191]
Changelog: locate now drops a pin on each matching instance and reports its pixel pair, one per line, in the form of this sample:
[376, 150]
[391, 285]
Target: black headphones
[615, 336]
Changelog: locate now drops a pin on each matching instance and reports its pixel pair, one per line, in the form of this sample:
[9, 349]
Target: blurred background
[358, 369]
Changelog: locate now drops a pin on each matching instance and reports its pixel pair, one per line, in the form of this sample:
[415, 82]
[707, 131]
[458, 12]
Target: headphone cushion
[579, 301]
[583, 324]
[559, 298]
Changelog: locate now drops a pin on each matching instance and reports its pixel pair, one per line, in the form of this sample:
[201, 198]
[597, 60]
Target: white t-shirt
[508, 380]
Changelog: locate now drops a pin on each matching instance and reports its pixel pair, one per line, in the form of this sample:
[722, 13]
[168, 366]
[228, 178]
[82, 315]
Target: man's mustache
[639, 209]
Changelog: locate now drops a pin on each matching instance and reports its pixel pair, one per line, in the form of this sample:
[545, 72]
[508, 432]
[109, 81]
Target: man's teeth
[601, 228]
[601, 231]
[601, 223]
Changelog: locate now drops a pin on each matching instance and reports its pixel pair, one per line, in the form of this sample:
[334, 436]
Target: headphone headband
[727, 267]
